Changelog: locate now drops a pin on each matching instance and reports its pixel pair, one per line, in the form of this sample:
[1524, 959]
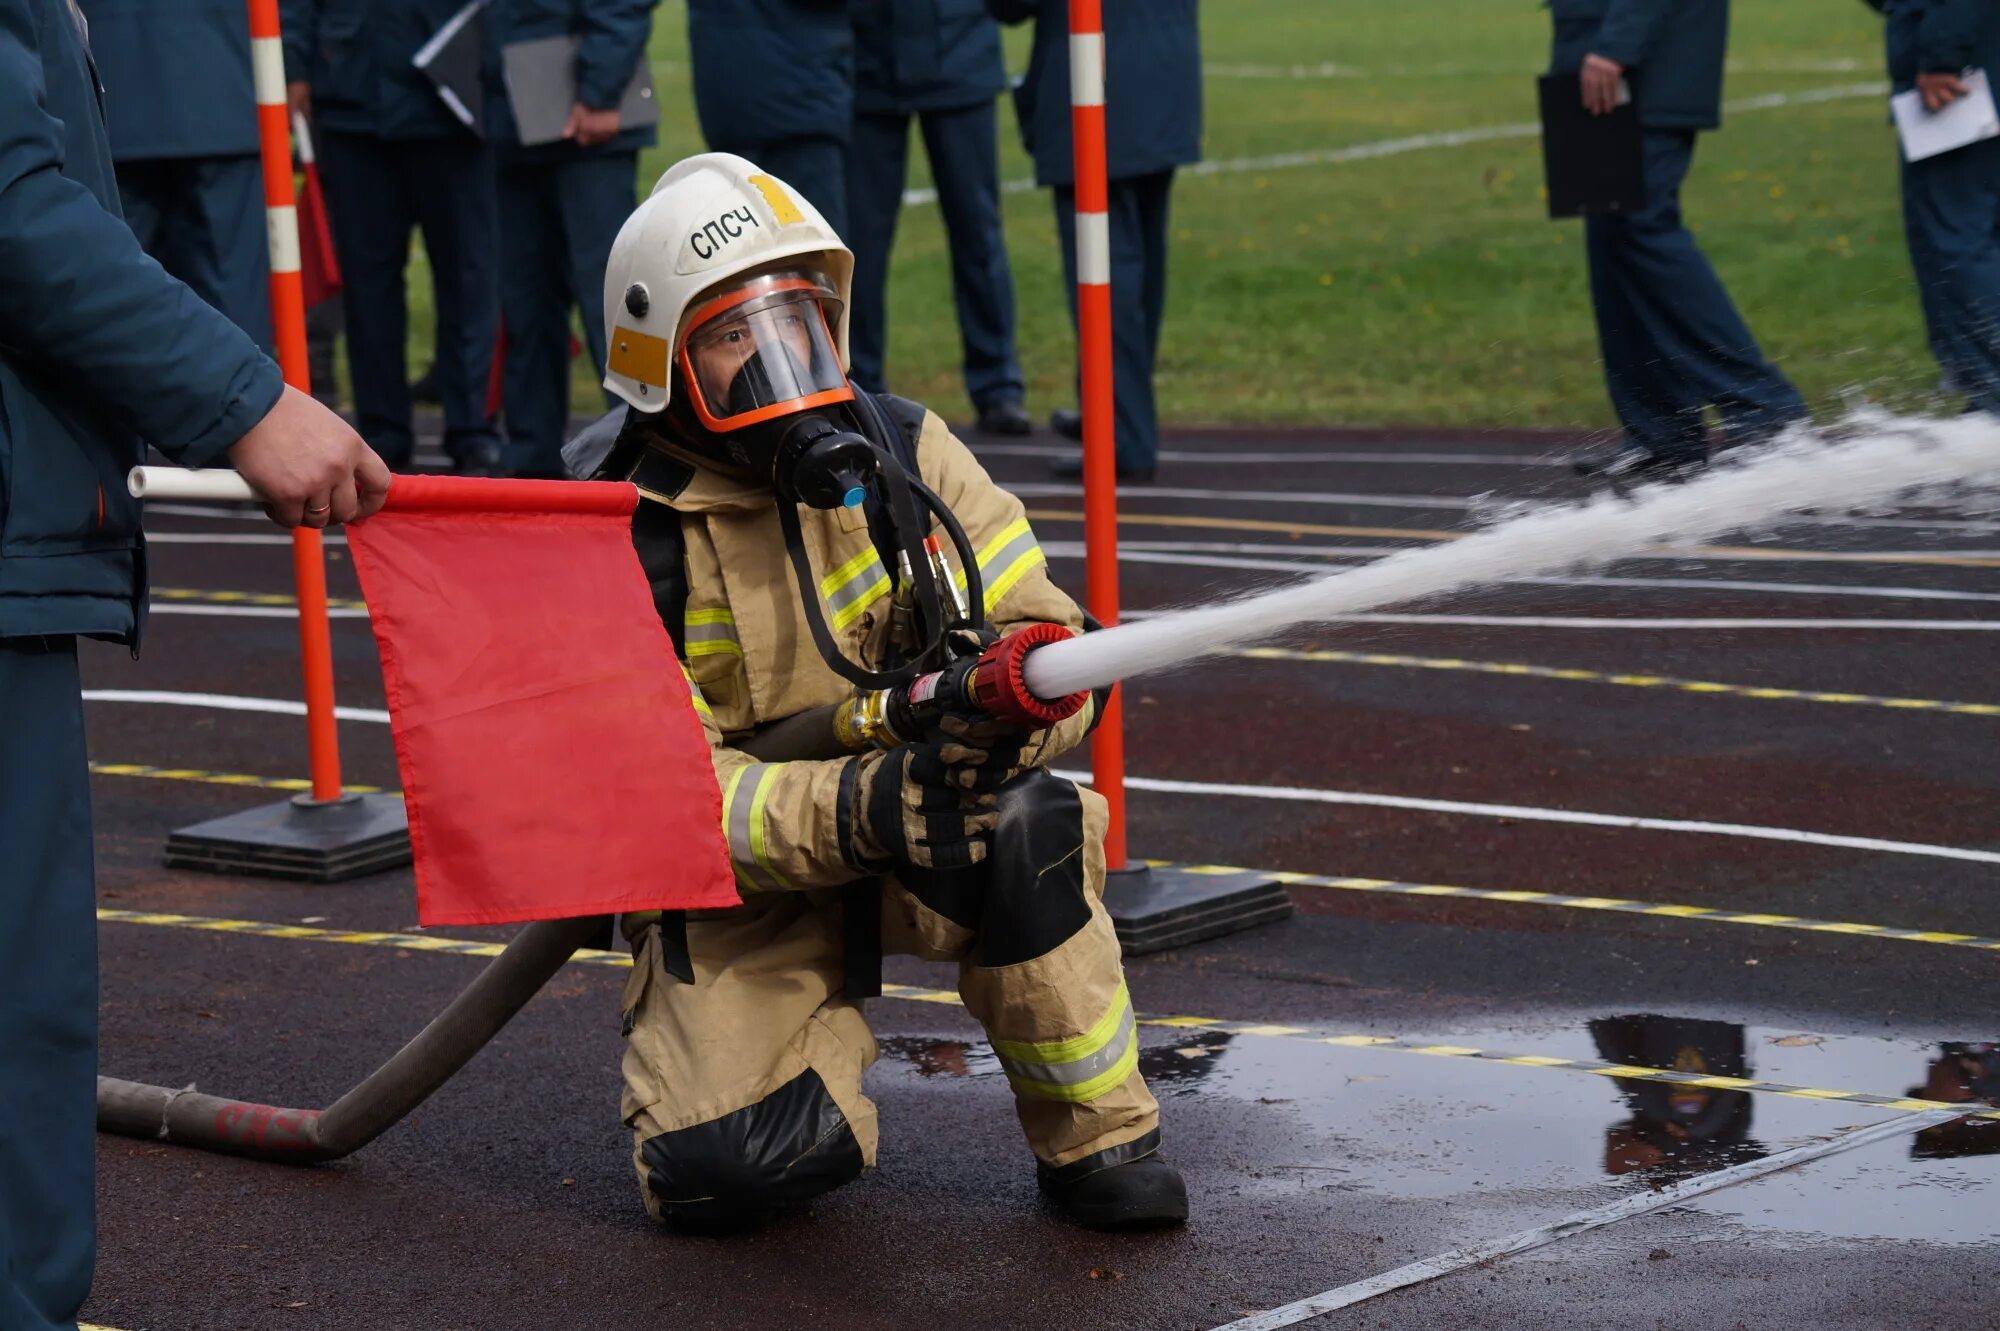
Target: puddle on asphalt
[1471, 1131]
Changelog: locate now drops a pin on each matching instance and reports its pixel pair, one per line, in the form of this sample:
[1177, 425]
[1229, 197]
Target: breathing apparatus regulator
[726, 304]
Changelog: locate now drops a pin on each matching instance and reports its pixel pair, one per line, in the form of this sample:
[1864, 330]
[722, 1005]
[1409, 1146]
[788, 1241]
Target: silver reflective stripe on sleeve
[743, 821]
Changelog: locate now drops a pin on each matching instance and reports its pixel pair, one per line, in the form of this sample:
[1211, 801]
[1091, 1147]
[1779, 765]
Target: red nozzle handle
[1001, 691]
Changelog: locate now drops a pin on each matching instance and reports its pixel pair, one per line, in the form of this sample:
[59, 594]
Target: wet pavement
[1476, 1088]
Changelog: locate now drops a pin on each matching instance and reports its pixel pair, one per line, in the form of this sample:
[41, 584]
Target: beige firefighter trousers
[766, 1006]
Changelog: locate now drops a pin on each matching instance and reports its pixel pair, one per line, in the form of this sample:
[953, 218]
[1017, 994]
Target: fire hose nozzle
[998, 685]
[992, 682]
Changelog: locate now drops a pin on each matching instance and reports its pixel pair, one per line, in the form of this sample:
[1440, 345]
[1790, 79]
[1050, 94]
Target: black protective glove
[907, 813]
[980, 754]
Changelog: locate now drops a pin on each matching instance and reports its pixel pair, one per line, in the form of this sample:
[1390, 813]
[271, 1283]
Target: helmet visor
[762, 351]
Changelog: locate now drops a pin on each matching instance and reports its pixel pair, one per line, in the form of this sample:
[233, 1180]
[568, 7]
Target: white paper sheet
[1965, 121]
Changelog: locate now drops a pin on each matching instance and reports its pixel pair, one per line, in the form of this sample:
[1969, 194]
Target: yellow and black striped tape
[1615, 904]
[1513, 896]
[945, 998]
[1696, 686]
[289, 783]
[198, 596]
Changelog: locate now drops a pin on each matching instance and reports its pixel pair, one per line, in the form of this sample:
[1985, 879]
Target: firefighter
[726, 317]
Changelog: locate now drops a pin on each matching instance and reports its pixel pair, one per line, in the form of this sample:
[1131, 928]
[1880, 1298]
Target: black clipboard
[454, 61]
[1593, 164]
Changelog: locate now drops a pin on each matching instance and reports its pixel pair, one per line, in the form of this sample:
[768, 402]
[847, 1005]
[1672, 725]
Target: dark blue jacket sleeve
[1630, 29]
[614, 42]
[1948, 41]
[298, 25]
[79, 298]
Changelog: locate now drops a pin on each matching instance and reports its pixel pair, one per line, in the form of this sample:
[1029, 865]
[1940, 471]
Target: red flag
[552, 760]
[319, 266]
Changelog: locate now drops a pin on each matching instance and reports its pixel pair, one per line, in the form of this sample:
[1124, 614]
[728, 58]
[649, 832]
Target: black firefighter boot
[1124, 1187]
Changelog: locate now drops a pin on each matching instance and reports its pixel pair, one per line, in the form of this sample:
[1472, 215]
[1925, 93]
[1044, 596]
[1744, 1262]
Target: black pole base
[1158, 906]
[303, 839]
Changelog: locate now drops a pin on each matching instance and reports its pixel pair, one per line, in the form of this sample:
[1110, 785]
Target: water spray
[1893, 456]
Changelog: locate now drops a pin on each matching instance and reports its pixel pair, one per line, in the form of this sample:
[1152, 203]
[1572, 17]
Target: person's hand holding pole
[309, 465]
[1602, 78]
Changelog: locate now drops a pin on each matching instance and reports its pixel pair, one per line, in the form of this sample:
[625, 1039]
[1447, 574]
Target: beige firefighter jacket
[750, 654]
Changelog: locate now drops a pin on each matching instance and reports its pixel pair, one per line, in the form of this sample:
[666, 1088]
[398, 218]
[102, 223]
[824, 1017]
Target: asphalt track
[1404, 1069]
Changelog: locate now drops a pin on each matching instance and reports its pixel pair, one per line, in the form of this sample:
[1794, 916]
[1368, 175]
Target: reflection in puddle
[1477, 1135]
[1674, 1130]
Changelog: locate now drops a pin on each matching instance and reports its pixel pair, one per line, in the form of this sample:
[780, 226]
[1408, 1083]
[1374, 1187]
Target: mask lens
[762, 354]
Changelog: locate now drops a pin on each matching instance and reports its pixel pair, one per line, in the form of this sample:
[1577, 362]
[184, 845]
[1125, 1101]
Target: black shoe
[1003, 415]
[1621, 465]
[1141, 1193]
[425, 389]
[478, 460]
[1071, 469]
[1067, 423]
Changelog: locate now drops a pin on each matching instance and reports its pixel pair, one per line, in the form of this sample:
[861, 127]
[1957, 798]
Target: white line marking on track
[1532, 813]
[1359, 152]
[1130, 555]
[229, 702]
[1466, 503]
[1605, 622]
[1322, 455]
[248, 611]
[1642, 1202]
[229, 538]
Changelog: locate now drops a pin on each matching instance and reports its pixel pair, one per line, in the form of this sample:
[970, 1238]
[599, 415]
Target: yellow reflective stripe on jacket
[854, 586]
[743, 822]
[1006, 560]
[694, 692]
[1081, 1068]
[711, 633]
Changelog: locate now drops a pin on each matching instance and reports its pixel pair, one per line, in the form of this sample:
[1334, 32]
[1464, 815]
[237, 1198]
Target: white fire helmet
[769, 344]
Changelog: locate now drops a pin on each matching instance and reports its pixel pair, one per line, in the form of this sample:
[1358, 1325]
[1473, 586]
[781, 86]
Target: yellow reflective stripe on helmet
[711, 633]
[743, 824]
[854, 586]
[1006, 560]
[1080, 1068]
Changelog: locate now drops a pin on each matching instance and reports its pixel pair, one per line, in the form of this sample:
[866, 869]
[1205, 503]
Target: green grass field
[1428, 286]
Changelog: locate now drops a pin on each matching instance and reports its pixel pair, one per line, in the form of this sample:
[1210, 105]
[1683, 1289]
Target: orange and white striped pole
[1093, 332]
[288, 322]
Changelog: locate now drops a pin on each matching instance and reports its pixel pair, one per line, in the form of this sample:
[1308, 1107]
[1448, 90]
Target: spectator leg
[878, 162]
[595, 195]
[48, 990]
[534, 302]
[451, 186]
[370, 209]
[964, 155]
[1951, 219]
[227, 244]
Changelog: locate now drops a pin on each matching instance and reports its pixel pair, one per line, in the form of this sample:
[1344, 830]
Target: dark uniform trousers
[1672, 341]
[377, 189]
[48, 989]
[1951, 217]
[557, 222]
[1138, 225]
[203, 219]
[965, 164]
